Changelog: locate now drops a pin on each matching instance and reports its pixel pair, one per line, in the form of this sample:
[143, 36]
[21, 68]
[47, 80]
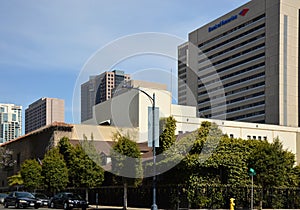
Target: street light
[252, 173]
[152, 99]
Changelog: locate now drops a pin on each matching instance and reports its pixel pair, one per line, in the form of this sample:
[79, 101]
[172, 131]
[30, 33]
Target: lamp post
[152, 99]
[252, 173]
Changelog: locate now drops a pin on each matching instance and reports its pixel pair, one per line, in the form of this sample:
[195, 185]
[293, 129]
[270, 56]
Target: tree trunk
[125, 196]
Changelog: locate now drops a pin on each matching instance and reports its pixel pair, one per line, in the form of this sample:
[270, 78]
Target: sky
[48, 48]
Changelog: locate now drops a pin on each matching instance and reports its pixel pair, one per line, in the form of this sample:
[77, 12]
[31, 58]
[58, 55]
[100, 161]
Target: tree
[83, 170]
[273, 164]
[31, 172]
[15, 180]
[54, 171]
[167, 137]
[126, 161]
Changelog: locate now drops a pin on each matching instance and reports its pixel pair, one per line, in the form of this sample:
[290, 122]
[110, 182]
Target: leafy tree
[126, 159]
[54, 170]
[66, 149]
[167, 137]
[295, 176]
[15, 180]
[83, 171]
[31, 172]
[273, 164]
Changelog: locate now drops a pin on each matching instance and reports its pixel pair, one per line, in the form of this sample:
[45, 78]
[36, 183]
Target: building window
[248, 137]
[265, 138]
[259, 137]
[18, 159]
[254, 137]
[231, 136]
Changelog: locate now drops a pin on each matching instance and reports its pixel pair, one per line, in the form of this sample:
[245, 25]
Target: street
[91, 208]
[11, 207]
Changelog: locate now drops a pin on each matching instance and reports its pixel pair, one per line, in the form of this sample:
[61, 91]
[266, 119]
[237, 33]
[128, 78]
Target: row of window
[239, 54]
[232, 109]
[255, 76]
[253, 114]
[242, 108]
[236, 73]
[249, 137]
[242, 62]
[241, 44]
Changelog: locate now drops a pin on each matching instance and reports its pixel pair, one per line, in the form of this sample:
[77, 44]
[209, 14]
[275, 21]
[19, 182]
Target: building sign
[224, 22]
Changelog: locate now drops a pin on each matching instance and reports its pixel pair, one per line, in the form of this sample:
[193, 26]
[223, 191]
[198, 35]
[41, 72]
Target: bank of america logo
[223, 22]
[244, 12]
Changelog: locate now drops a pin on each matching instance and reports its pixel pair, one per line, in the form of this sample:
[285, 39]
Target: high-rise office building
[44, 112]
[10, 122]
[244, 66]
[98, 89]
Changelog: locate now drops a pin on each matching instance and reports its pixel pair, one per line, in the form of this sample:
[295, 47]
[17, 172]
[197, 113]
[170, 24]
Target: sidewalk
[94, 207]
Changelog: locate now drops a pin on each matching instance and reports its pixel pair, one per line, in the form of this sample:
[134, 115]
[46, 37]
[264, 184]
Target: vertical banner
[150, 126]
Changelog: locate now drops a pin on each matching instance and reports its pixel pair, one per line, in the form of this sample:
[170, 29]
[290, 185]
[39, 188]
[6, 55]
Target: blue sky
[44, 45]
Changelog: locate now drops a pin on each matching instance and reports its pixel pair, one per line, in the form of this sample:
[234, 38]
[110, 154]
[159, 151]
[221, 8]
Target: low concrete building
[130, 109]
[35, 144]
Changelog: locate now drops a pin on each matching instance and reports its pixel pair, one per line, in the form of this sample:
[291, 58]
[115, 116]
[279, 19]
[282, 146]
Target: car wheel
[5, 205]
[36, 206]
[66, 206]
[17, 205]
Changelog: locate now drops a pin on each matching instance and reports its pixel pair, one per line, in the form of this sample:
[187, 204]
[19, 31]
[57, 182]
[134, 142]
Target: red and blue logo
[224, 22]
[244, 12]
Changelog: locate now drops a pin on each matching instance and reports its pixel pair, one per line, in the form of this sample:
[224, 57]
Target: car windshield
[24, 195]
[3, 195]
[43, 196]
[74, 196]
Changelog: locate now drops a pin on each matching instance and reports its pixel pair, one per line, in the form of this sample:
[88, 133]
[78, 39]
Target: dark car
[67, 201]
[2, 196]
[42, 197]
[21, 200]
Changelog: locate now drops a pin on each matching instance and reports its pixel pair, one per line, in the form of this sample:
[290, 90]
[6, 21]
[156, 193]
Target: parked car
[21, 200]
[42, 197]
[2, 196]
[67, 201]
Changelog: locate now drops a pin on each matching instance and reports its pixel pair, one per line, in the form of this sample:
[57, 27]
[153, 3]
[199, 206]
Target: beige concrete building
[35, 144]
[98, 89]
[44, 112]
[244, 65]
[130, 109]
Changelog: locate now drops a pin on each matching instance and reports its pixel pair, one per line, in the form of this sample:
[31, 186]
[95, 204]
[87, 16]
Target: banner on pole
[150, 127]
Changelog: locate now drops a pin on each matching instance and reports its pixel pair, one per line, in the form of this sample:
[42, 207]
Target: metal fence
[208, 197]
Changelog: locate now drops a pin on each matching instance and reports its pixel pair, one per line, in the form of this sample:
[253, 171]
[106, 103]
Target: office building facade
[44, 112]
[99, 89]
[244, 66]
[10, 122]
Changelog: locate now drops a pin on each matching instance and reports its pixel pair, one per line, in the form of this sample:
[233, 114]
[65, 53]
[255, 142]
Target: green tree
[167, 137]
[126, 159]
[67, 150]
[273, 164]
[84, 172]
[15, 180]
[31, 172]
[54, 171]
